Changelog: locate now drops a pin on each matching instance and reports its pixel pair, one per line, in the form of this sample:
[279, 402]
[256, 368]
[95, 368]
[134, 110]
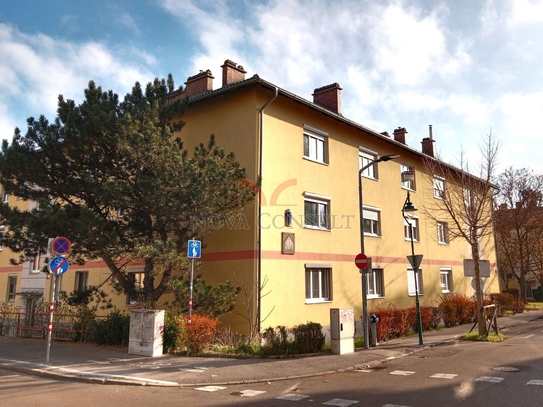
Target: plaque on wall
[287, 243]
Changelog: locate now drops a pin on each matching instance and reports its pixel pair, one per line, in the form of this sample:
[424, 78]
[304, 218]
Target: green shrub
[175, 335]
[308, 338]
[114, 330]
[275, 341]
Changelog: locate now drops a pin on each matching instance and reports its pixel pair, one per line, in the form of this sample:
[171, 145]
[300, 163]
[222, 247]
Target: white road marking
[340, 402]
[210, 388]
[529, 336]
[251, 393]
[365, 370]
[292, 397]
[536, 382]
[402, 373]
[444, 376]
[490, 379]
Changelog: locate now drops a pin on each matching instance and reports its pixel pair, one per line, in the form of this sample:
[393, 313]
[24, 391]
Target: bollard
[373, 327]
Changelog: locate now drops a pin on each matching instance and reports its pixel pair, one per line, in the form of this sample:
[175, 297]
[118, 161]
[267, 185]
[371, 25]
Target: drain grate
[506, 369]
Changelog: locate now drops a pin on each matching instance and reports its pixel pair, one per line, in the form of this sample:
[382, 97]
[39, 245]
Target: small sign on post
[57, 265]
[361, 261]
[194, 251]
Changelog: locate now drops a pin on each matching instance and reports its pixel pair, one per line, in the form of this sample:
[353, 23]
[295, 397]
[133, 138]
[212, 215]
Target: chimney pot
[428, 143]
[399, 134]
[232, 73]
[199, 83]
[329, 97]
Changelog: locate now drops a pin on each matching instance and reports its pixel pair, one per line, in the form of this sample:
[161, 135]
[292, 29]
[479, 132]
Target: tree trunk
[481, 323]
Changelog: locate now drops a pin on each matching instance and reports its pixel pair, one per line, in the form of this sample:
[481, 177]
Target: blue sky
[466, 67]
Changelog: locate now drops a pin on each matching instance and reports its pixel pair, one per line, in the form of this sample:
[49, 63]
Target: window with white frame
[2, 229]
[442, 233]
[5, 196]
[318, 282]
[408, 177]
[365, 158]
[316, 211]
[135, 278]
[411, 224]
[411, 282]
[315, 145]
[439, 187]
[374, 283]
[81, 278]
[446, 280]
[12, 287]
[37, 262]
[372, 222]
[120, 213]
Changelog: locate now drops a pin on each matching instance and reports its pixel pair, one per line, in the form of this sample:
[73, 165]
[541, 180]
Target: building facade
[293, 249]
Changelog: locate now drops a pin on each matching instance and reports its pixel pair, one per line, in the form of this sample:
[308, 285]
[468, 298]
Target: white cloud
[35, 69]
[525, 11]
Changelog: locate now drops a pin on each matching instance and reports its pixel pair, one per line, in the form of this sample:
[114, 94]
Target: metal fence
[66, 327]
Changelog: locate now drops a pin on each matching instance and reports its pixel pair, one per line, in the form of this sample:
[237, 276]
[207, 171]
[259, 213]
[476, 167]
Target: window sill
[443, 243]
[371, 235]
[446, 291]
[413, 295]
[375, 297]
[311, 302]
[316, 228]
[408, 189]
[407, 239]
[315, 161]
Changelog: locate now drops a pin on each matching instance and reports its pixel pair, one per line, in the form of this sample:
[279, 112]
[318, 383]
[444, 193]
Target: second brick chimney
[428, 144]
[199, 83]
[232, 73]
[329, 97]
[399, 135]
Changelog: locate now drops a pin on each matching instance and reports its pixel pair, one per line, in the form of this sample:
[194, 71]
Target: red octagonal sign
[361, 260]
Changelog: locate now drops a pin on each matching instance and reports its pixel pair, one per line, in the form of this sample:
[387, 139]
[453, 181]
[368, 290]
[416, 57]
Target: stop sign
[361, 260]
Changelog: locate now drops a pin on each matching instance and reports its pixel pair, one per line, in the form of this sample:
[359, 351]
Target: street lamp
[362, 248]
[415, 261]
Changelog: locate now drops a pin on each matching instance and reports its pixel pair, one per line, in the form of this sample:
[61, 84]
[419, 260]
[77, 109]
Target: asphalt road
[453, 374]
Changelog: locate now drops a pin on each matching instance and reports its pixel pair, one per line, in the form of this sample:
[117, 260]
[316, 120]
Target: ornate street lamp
[387, 157]
[415, 261]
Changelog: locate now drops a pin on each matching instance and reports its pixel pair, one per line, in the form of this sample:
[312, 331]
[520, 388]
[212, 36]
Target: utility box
[146, 332]
[342, 330]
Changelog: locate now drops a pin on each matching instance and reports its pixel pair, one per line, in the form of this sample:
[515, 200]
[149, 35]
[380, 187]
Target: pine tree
[104, 158]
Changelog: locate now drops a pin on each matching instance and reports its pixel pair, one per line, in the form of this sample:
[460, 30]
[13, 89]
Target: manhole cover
[506, 369]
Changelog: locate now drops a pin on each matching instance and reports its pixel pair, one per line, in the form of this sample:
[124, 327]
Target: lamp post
[415, 261]
[362, 247]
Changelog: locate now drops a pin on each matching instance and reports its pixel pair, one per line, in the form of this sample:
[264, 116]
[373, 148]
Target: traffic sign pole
[50, 323]
[57, 265]
[194, 251]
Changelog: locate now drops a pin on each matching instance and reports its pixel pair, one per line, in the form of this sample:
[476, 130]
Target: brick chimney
[199, 83]
[232, 73]
[399, 134]
[428, 144]
[329, 97]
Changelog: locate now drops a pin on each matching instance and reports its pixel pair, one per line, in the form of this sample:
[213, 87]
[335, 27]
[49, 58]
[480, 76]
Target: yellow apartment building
[298, 240]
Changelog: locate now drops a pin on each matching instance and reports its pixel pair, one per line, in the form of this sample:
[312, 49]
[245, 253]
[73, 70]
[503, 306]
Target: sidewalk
[102, 364]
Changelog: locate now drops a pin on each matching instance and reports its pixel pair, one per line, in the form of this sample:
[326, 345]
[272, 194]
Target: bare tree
[519, 225]
[464, 203]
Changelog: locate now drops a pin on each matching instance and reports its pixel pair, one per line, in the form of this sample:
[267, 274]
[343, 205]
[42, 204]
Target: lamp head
[408, 206]
[388, 157]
